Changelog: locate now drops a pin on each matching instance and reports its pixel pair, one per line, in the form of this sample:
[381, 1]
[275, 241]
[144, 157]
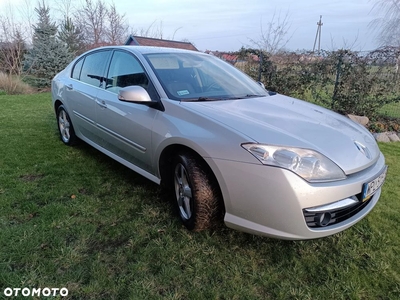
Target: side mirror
[262, 84]
[135, 94]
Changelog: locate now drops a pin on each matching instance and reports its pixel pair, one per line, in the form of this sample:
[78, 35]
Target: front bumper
[270, 201]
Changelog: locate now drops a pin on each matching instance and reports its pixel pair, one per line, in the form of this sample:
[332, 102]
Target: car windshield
[197, 77]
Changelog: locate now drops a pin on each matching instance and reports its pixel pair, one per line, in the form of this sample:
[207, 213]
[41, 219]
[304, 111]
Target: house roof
[145, 41]
[233, 57]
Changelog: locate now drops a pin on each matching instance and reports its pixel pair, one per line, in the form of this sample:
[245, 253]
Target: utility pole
[318, 35]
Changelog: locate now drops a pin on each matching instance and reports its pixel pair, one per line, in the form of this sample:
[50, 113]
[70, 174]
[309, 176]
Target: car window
[93, 69]
[76, 72]
[125, 70]
[192, 76]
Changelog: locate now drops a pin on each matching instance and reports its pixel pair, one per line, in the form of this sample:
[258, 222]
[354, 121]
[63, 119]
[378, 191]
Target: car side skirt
[126, 163]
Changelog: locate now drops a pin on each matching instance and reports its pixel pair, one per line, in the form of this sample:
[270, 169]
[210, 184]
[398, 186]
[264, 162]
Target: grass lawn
[71, 217]
[391, 110]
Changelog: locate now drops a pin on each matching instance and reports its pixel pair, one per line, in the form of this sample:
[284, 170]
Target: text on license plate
[370, 188]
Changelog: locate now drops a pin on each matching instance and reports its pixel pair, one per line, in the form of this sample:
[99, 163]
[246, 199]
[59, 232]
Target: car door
[87, 78]
[126, 126]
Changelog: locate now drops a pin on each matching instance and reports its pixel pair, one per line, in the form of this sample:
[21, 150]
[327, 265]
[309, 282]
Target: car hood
[281, 120]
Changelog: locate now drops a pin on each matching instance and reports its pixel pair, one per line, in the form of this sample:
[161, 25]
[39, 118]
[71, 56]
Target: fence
[362, 83]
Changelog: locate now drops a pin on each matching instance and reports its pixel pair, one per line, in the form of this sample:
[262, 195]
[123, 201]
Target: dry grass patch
[13, 85]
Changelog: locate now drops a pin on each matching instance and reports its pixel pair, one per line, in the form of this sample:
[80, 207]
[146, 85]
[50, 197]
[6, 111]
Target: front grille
[313, 219]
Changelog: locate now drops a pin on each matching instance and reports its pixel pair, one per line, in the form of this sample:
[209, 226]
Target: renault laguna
[228, 149]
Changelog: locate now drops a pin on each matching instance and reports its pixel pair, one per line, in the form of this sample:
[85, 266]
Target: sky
[228, 25]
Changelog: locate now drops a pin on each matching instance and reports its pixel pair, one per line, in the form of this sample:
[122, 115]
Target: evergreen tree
[48, 55]
[72, 37]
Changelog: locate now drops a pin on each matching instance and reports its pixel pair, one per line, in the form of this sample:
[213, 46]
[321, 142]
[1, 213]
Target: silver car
[227, 149]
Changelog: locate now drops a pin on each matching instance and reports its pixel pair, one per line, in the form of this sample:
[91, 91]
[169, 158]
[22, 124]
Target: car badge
[364, 150]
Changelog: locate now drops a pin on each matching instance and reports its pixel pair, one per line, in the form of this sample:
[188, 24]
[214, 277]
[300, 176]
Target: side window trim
[105, 69]
[82, 59]
[151, 88]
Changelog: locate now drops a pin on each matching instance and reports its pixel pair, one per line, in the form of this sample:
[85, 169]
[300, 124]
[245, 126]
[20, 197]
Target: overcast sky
[228, 25]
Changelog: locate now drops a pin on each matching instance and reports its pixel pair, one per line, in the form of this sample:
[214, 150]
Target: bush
[39, 83]
[364, 83]
[12, 85]
[346, 81]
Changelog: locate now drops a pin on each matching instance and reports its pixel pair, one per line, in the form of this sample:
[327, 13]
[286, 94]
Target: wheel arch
[57, 104]
[165, 166]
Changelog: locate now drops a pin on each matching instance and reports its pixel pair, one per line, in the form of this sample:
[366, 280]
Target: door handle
[101, 103]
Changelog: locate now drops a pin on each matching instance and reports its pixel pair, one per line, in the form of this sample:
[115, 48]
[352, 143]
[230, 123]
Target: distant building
[226, 56]
[145, 41]
[233, 57]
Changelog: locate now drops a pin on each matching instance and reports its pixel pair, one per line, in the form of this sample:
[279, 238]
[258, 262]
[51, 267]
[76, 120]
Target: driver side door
[126, 127]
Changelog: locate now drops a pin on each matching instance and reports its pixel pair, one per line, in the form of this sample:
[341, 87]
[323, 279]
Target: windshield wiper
[203, 99]
[244, 97]
[200, 99]
[253, 96]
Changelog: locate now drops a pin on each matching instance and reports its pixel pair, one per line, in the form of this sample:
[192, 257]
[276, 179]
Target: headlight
[308, 164]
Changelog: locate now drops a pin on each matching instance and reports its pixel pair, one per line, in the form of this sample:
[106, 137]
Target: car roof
[149, 49]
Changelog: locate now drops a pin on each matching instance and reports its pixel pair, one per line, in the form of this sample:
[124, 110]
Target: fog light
[323, 219]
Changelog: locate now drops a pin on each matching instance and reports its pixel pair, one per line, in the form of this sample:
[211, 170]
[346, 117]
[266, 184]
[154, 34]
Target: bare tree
[154, 30]
[27, 12]
[274, 36]
[117, 27]
[12, 46]
[387, 26]
[65, 8]
[346, 44]
[91, 20]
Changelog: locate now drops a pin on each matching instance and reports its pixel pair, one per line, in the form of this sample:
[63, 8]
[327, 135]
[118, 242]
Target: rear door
[127, 127]
[87, 79]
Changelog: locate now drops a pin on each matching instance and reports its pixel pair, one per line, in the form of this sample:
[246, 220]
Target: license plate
[371, 187]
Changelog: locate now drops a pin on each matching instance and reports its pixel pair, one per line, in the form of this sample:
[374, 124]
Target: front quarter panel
[180, 126]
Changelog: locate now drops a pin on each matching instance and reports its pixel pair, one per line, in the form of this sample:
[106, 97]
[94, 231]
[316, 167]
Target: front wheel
[67, 133]
[196, 193]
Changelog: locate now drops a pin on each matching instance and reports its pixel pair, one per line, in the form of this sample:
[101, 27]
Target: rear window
[93, 69]
[76, 72]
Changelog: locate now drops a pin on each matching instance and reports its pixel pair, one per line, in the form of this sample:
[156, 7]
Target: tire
[65, 128]
[197, 195]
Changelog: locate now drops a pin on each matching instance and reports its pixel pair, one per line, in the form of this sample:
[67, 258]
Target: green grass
[71, 217]
[390, 110]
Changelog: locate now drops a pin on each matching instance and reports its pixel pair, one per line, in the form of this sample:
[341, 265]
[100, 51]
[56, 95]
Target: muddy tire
[196, 192]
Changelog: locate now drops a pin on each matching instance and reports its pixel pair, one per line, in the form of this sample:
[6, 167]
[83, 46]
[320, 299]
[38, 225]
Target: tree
[274, 37]
[388, 26]
[117, 28]
[153, 30]
[12, 47]
[72, 37]
[48, 55]
[91, 19]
